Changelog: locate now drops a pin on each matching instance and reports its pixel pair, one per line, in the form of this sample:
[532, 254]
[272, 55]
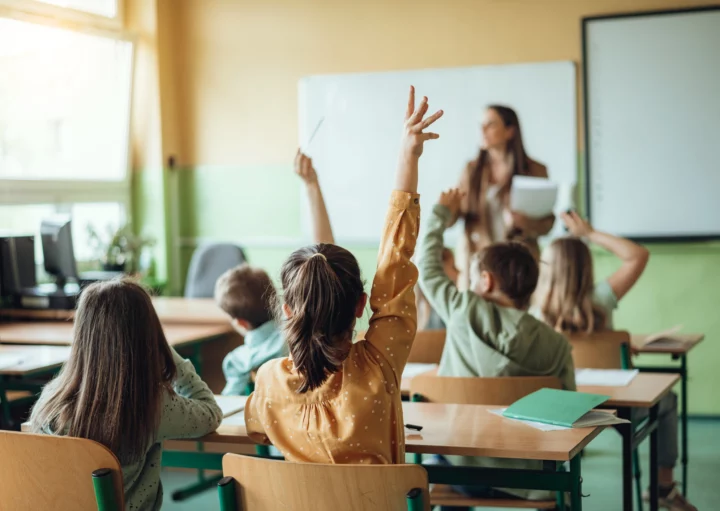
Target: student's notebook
[9, 361]
[605, 377]
[562, 408]
[666, 338]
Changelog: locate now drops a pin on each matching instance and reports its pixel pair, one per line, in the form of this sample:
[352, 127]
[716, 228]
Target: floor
[601, 469]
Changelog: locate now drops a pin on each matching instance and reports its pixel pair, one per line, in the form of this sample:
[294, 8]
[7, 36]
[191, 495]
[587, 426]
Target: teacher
[486, 182]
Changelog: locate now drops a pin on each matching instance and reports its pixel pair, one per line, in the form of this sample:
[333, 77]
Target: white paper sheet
[9, 361]
[533, 196]
[605, 377]
[231, 405]
[537, 425]
[412, 370]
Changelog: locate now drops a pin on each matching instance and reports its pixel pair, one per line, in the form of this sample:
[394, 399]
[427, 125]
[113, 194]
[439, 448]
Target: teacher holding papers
[487, 182]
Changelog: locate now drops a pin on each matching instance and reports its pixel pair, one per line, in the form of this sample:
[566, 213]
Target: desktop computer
[17, 267]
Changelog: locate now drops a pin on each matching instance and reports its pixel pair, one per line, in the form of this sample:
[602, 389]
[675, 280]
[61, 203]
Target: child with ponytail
[332, 401]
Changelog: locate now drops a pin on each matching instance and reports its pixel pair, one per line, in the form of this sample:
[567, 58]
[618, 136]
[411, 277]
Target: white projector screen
[355, 149]
[652, 123]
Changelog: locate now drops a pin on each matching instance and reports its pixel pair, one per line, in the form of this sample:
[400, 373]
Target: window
[65, 99]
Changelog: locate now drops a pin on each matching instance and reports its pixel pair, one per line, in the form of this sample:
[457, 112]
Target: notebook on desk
[666, 339]
[562, 408]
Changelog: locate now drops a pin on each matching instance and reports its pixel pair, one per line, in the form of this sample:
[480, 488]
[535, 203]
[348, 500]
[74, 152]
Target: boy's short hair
[515, 269]
[246, 293]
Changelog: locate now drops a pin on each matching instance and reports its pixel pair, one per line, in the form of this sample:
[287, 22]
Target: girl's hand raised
[413, 135]
[576, 224]
[304, 168]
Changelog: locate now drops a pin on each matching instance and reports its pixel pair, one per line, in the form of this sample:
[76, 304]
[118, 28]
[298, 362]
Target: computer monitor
[57, 246]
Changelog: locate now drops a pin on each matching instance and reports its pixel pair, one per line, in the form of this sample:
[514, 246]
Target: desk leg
[684, 419]
[6, 417]
[626, 433]
[576, 482]
[654, 496]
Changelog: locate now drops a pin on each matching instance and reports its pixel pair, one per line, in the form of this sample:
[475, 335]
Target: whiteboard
[355, 149]
[653, 124]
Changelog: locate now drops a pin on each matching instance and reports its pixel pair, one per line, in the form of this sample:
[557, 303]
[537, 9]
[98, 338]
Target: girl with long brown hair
[486, 184]
[126, 388]
[569, 300]
[332, 401]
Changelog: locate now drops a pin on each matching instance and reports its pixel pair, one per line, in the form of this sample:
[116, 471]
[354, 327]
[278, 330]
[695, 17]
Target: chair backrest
[207, 264]
[599, 350]
[427, 347]
[499, 391]
[53, 472]
[262, 484]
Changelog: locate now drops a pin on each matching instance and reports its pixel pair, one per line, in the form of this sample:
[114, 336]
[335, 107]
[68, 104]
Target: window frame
[14, 191]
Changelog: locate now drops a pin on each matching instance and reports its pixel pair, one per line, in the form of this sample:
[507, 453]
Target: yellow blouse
[356, 415]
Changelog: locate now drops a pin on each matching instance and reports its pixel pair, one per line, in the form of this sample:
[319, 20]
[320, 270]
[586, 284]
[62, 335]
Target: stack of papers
[9, 361]
[666, 338]
[605, 377]
[231, 405]
[533, 196]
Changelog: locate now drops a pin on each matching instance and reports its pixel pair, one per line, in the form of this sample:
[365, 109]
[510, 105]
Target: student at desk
[489, 332]
[569, 299]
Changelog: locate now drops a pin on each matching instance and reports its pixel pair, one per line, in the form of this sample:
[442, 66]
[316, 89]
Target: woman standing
[487, 181]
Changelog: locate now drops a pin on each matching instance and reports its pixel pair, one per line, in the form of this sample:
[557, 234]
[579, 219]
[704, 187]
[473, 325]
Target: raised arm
[634, 257]
[439, 289]
[394, 320]
[322, 230]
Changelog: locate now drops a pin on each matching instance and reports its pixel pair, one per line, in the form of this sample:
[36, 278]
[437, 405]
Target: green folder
[557, 407]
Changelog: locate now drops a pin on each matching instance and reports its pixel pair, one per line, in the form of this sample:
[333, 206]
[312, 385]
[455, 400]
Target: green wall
[680, 286]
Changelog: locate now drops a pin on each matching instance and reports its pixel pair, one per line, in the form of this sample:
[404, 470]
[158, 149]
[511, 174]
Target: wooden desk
[469, 430]
[34, 359]
[169, 309]
[189, 310]
[59, 333]
[678, 352]
[645, 391]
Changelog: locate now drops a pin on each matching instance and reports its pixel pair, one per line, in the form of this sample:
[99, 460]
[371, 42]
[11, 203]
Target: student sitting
[489, 332]
[571, 301]
[428, 319]
[248, 296]
[126, 388]
[333, 401]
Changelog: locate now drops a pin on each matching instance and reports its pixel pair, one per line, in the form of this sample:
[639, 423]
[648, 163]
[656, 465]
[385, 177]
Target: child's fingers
[428, 121]
[411, 103]
[430, 136]
[419, 112]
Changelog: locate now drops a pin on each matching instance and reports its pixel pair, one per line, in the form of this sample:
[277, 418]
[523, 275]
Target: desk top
[33, 358]
[59, 333]
[169, 309]
[644, 391]
[469, 430]
[689, 341]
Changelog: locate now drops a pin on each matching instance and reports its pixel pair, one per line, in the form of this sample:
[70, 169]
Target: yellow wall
[238, 62]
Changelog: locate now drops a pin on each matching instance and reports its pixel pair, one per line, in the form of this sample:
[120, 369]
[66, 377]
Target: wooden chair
[59, 473]
[256, 484]
[427, 348]
[501, 391]
[601, 350]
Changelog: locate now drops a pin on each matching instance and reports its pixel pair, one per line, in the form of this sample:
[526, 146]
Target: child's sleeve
[440, 291]
[253, 424]
[191, 411]
[567, 373]
[392, 299]
[237, 367]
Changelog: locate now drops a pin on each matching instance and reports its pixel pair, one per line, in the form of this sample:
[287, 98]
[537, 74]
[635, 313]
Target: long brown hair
[479, 179]
[322, 287]
[110, 390]
[566, 288]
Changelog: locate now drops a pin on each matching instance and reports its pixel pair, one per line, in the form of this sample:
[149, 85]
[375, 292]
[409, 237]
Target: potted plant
[120, 250]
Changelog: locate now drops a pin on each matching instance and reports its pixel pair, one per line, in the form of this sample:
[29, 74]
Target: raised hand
[577, 225]
[413, 136]
[452, 199]
[304, 168]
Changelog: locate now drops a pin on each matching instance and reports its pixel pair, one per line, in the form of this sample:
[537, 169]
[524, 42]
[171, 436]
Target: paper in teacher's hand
[533, 196]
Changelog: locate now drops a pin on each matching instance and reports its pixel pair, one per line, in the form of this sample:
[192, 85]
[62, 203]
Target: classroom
[380, 255]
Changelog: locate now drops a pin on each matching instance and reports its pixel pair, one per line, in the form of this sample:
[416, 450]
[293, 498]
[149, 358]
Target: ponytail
[322, 287]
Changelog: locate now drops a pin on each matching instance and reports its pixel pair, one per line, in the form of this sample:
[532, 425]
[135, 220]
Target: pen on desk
[413, 426]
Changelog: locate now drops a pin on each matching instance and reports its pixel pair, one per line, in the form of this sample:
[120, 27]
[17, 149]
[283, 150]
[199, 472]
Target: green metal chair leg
[105, 490]
[263, 450]
[226, 494]
[638, 483]
[576, 488]
[415, 500]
